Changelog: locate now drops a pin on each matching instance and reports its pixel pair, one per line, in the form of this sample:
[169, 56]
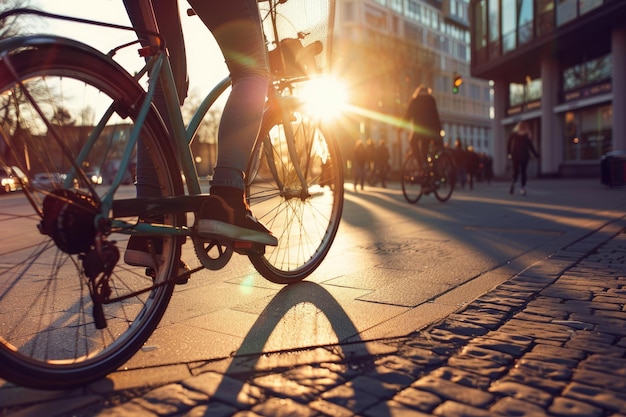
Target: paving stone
[393, 409]
[462, 377]
[58, 407]
[317, 378]
[594, 346]
[328, 408]
[566, 407]
[417, 399]
[170, 399]
[450, 391]
[555, 359]
[454, 409]
[607, 364]
[598, 396]
[487, 354]
[423, 357]
[484, 319]
[405, 368]
[536, 381]
[521, 392]
[461, 328]
[545, 331]
[347, 396]
[518, 408]
[278, 384]
[601, 379]
[225, 388]
[483, 367]
[283, 407]
[213, 409]
[512, 349]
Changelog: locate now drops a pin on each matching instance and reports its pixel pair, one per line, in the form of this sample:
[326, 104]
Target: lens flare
[324, 97]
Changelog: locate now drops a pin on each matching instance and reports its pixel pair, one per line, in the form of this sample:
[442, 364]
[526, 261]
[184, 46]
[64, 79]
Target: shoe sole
[139, 258]
[220, 230]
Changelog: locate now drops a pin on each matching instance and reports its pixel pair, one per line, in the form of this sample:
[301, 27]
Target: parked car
[48, 180]
[95, 177]
[8, 181]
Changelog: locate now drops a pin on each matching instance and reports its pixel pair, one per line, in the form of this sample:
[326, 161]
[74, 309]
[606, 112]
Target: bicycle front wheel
[297, 193]
[445, 176]
[411, 180]
[66, 119]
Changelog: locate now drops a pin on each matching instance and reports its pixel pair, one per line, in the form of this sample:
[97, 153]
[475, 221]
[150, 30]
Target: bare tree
[13, 25]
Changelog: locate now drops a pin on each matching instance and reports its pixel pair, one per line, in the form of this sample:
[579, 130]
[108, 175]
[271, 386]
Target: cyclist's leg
[236, 26]
[168, 21]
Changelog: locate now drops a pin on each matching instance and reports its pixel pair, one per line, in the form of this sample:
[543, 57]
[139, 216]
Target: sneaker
[522, 191]
[512, 189]
[145, 250]
[218, 219]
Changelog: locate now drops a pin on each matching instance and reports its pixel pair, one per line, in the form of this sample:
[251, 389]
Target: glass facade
[587, 133]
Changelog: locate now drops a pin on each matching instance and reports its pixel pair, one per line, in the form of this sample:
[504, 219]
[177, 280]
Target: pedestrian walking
[472, 164]
[382, 162]
[458, 153]
[487, 162]
[519, 149]
[359, 164]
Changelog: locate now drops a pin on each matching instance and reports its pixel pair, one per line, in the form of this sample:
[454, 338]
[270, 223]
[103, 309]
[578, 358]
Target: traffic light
[458, 80]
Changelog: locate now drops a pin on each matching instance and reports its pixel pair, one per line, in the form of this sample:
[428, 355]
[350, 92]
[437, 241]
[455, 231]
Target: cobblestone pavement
[551, 341]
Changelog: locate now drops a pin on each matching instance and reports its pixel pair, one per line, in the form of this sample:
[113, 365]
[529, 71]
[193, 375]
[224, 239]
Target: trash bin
[613, 168]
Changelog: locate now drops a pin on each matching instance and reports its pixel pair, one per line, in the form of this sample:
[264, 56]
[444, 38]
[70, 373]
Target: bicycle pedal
[249, 248]
[182, 278]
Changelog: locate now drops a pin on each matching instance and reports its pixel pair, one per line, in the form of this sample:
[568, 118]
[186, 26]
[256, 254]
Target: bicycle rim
[411, 180]
[445, 177]
[48, 336]
[303, 218]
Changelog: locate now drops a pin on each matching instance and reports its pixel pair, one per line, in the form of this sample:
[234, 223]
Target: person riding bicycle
[423, 121]
[236, 26]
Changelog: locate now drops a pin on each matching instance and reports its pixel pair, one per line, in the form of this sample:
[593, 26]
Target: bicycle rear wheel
[304, 217]
[445, 176]
[411, 180]
[67, 115]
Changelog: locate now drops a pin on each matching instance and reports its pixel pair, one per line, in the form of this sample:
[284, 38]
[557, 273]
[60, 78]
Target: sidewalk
[550, 341]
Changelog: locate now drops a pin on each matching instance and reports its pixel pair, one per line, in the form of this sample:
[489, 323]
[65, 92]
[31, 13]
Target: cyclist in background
[236, 26]
[422, 117]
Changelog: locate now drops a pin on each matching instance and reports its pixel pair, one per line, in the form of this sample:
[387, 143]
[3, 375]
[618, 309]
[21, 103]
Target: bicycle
[438, 176]
[71, 310]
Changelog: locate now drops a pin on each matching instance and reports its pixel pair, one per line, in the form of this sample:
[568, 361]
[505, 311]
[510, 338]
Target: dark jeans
[519, 169]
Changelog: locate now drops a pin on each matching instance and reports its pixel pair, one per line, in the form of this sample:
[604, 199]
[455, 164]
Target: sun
[324, 97]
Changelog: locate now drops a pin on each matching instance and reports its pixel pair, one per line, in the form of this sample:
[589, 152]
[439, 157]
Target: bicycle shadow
[234, 387]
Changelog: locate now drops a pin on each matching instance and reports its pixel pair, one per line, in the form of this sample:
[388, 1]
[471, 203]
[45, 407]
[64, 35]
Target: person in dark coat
[359, 164]
[425, 125]
[458, 153]
[519, 149]
[382, 162]
[472, 164]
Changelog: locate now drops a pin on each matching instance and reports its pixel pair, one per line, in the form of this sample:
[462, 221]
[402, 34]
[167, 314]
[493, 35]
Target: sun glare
[325, 97]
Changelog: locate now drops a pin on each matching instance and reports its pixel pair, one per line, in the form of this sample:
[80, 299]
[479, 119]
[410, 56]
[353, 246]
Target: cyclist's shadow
[244, 363]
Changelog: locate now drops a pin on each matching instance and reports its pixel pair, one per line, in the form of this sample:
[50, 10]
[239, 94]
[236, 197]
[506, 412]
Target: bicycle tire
[445, 176]
[411, 180]
[304, 221]
[49, 338]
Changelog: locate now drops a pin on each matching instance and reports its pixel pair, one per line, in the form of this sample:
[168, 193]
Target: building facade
[561, 66]
[387, 48]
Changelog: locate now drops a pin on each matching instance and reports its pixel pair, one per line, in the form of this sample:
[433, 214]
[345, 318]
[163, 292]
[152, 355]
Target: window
[525, 22]
[348, 12]
[509, 21]
[587, 73]
[516, 94]
[588, 133]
